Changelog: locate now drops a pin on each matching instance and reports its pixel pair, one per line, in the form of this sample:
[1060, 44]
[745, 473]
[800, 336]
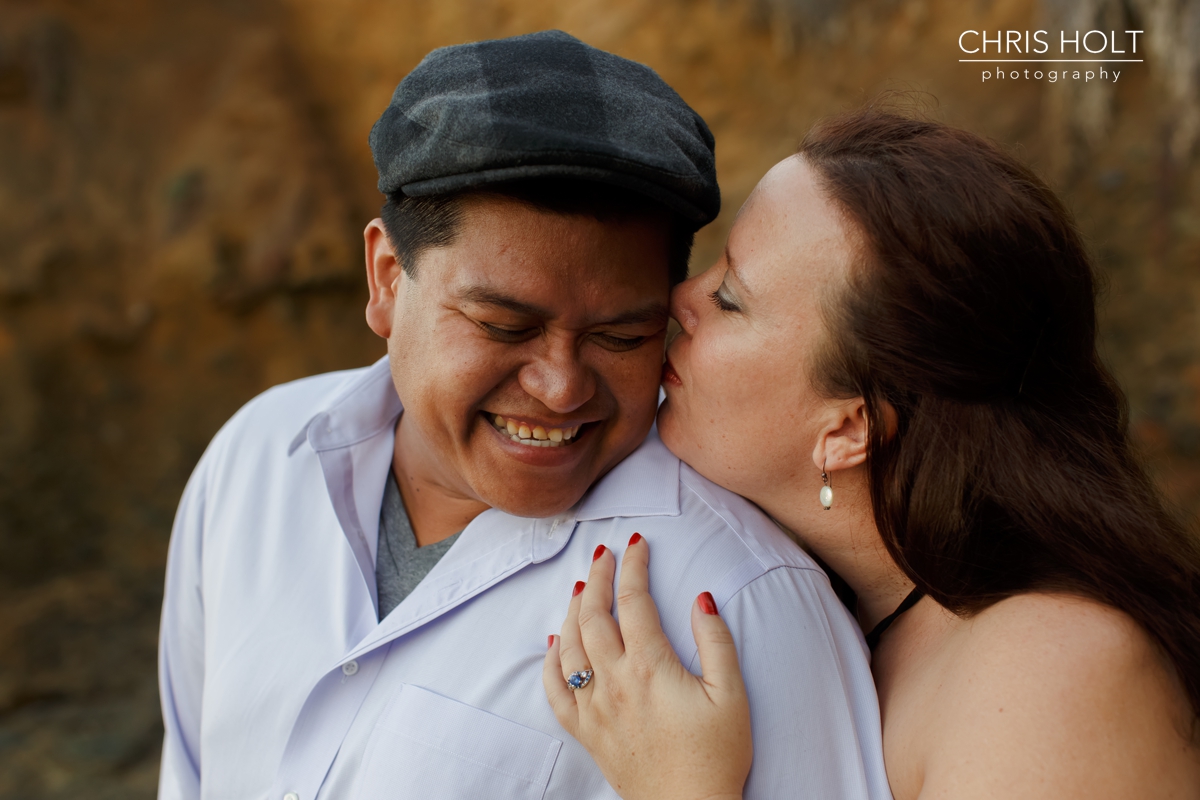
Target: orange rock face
[182, 192]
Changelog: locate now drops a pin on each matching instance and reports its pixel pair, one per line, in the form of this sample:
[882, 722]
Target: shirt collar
[364, 407]
[646, 483]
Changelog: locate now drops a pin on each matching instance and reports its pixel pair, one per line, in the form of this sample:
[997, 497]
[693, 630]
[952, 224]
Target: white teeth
[537, 436]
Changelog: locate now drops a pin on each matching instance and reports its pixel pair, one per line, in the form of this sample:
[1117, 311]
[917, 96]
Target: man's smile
[533, 433]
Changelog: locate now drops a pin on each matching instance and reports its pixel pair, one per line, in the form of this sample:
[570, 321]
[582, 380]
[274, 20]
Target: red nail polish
[579, 588]
[637, 537]
[599, 552]
[550, 641]
[707, 604]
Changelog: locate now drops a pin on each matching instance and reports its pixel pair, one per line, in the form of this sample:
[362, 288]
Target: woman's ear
[383, 277]
[842, 439]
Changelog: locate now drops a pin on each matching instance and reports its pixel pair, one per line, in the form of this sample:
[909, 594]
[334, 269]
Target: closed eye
[619, 343]
[722, 301]
[508, 334]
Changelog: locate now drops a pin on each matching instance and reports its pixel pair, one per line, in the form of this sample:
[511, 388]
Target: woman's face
[739, 405]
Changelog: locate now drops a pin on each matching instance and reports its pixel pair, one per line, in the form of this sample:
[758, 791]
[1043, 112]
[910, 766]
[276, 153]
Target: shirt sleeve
[813, 708]
[181, 648]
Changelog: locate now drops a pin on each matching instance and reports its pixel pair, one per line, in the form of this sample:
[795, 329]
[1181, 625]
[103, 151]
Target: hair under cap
[544, 105]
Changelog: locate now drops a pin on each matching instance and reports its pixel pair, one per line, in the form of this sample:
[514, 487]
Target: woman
[905, 315]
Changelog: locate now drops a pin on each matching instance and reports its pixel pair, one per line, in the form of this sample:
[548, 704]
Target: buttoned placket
[332, 704]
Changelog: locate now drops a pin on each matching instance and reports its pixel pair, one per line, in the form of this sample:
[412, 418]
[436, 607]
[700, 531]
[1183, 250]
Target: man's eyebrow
[489, 297]
[655, 312]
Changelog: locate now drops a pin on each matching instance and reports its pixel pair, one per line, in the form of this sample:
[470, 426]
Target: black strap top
[873, 637]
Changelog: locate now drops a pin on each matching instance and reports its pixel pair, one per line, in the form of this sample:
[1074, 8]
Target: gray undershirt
[400, 564]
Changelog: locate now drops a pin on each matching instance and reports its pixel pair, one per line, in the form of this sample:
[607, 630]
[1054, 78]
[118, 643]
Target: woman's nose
[558, 378]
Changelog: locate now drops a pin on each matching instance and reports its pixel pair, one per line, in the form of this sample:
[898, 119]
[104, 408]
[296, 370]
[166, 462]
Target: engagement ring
[578, 680]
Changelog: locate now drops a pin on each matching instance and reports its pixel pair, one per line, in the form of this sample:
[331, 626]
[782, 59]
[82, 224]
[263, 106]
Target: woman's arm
[655, 730]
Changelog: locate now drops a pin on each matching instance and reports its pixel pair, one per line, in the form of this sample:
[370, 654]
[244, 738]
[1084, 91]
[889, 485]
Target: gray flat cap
[544, 105]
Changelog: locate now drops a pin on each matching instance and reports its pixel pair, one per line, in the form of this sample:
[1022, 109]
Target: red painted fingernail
[550, 641]
[599, 552]
[707, 604]
[637, 537]
[578, 588]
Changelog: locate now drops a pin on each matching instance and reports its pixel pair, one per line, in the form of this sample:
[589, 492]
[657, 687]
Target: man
[366, 565]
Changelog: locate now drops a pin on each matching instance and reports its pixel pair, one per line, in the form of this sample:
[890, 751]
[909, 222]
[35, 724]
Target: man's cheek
[638, 409]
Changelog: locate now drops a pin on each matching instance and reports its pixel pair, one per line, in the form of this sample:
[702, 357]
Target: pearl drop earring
[826, 490]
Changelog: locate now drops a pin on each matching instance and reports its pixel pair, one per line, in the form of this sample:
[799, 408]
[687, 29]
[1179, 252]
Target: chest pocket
[431, 747]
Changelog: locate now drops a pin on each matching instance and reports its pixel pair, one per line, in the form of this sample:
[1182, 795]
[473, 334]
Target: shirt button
[291, 796]
[349, 668]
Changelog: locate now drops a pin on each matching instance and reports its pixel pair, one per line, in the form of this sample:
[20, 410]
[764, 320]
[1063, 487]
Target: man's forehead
[615, 307]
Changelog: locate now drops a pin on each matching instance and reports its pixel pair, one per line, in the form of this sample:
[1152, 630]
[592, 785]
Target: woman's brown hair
[973, 315]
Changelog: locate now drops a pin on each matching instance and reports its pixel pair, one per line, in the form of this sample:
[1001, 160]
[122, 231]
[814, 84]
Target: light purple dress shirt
[279, 683]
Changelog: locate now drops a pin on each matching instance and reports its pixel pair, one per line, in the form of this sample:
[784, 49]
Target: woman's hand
[656, 731]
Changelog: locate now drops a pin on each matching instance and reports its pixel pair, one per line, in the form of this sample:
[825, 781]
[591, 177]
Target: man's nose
[683, 304]
[558, 378]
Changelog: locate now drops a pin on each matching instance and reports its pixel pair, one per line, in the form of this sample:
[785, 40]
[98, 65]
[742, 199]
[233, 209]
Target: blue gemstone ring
[580, 679]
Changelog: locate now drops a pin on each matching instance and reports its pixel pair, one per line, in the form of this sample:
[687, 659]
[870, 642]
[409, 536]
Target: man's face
[528, 353]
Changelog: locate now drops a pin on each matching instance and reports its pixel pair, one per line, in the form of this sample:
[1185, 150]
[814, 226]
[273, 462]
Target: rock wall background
[182, 191]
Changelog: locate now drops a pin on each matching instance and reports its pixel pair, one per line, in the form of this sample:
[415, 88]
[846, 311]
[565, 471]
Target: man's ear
[842, 439]
[383, 278]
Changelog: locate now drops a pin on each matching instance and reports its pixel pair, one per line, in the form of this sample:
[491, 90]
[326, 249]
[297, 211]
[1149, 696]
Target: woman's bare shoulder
[1059, 693]
[1088, 638]
[1060, 659]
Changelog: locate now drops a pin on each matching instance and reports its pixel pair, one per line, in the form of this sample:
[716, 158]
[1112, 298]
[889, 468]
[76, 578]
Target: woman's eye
[722, 301]
[508, 334]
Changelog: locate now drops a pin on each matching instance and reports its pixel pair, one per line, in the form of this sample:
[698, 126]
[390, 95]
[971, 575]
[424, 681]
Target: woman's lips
[669, 376]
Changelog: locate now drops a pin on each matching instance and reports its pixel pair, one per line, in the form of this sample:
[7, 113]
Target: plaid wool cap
[544, 105]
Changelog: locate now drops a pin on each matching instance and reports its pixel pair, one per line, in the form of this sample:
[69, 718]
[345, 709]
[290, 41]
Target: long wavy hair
[972, 313]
